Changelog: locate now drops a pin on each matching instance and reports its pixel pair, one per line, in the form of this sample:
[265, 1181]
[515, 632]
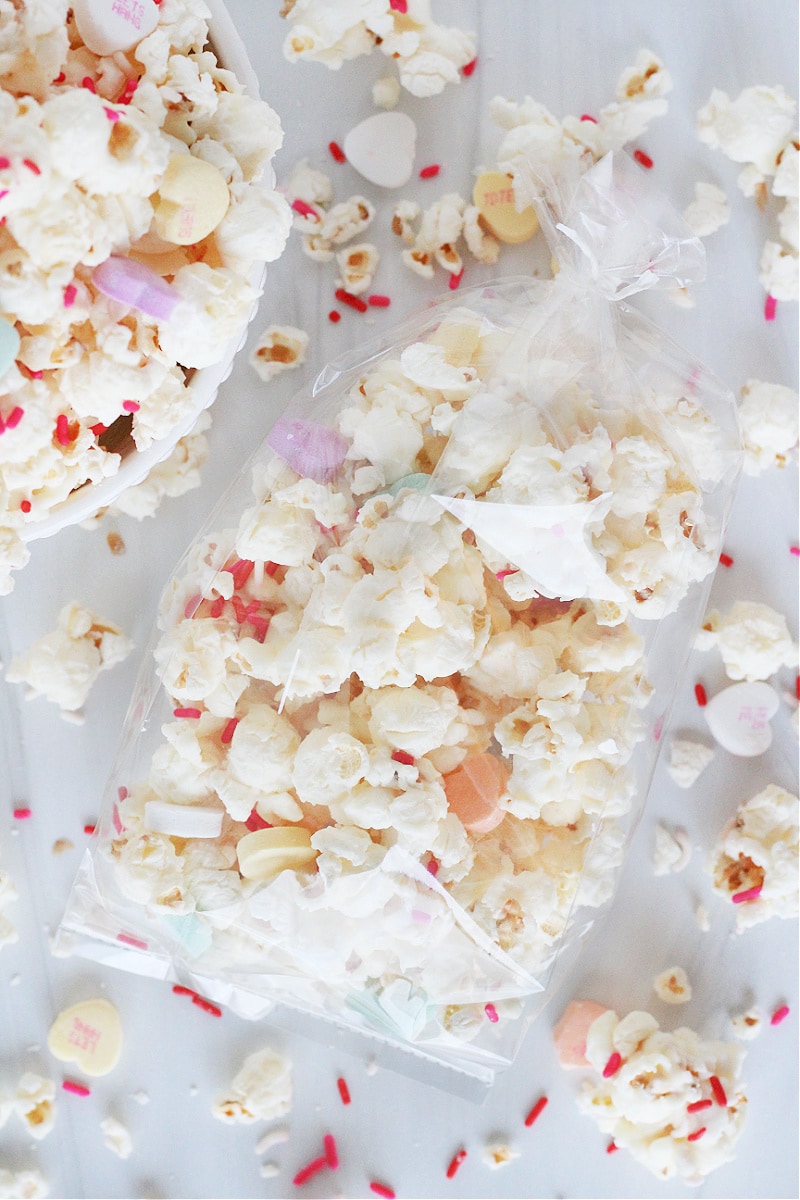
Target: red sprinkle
[129, 940]
[344, 1090]
[31, 165]
[180, 990]
[501, 575]
[354, 301]
[455, 1163]
[130, 406]
[25, 506]
[305, 1173]
[111, 113]
[430, 172]
[795, 550]
[216, 606]
[699, 1105]
[613, 1065]
[432, 866]
[22, 814]
[379, 301]
[192, 713]
[749, 894]
[89, 829]
[589, 117]
[241, 572]
[455, 280]
[700, 695]
[331, 1153]
[122, 793]
[402, 756]
[726, 560]
[400, 6]
[128, 91]
[770, 305]
[14, 417]
[491, 1013]
[62, 429]
[469, 68]
[698, 1133]
[60, 77]
[228, 731]
[334, 316]
[779, 1015]
[77, 1089]
[4, 163]
[70, 292]
[644, 160]
[612, 1146]
[98, 429]
[797, 686]
[536, 1111]
[206, 1005]
[88, 83]
[337, 152]
[305, 210]
[718, 1091]
[255, 822]
[380, 1189]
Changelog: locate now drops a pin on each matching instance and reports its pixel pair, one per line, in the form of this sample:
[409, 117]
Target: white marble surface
[397, 1129]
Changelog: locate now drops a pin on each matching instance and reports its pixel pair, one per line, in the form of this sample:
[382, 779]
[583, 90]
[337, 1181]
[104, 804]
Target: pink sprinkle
[402, 756]
[3, 193]
[88, 83]
[379, 301]
[129, 940]
[77, 1089]
[60, 77]
[718, 1091]
[698, 1133]
[116, 822]
[331, 1153]
[62, 430]
[508, 571]
[181, 990]
[455, 280]
[14, 417]
[337, 152]
[22, 814]
[305, 210]
[128, 91]
[122, 793]
[430, 172]
[491, 1013]
[229, 730]
[261, 625]
[344, 1090]
[334, 316]
[455, 1163]
[380, 1189]
[699, 1105]
[770, 305]
[536, 1111]
[589, 117]
[130, 406]
[779, 1015]
[469, 68]
[111, 113]
[795, 550]
[613, 1065]
[700, 695]
[192, 605]
[217, 606]
[644, 160]
[241, 572]
[313, 1168]
[4, 163]
[400, 6]
[432, 866]
[31, 165]
[89, 829]
[192, 713]
[255, 822]
[750, 894]
[70, 292]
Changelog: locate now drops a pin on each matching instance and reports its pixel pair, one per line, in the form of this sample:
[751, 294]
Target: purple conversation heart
[133, 283]
[312, 450]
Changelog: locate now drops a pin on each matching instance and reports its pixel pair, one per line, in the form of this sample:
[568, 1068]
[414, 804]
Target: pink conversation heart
[133, 283]
[314, 451]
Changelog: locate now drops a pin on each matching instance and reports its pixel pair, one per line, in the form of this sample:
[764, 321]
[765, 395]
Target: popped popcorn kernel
[279, 348]
[672, 986]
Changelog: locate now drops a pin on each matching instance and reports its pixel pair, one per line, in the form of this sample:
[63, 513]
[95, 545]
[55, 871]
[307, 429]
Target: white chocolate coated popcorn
[687, 760]
[27, 1184]
[260, 1091]
[752, 638]
[672, 986]
[116, 1137]
[768, 417]
[709, 210]
[279, 348]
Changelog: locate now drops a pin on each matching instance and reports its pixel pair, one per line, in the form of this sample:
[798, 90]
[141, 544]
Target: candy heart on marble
[493, 195]
[135, 284]
[89, 1034]
[106, 26]
[9, 345]
[191, 200]
[739, 717]
[314, 451]
[382, 148]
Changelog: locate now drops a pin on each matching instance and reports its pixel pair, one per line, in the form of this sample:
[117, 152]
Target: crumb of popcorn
[746, 1025]
[778, 271]
[347, 220]
[681, 297]
[755, 858]
[357, 266]
[498, 1153]
[768, 419]
[62, 846]
[752, 638]
[709, 210]
[34, 1102]
[702, 918]
[404, 216]
[671, 851]
[386, 92]
[116, 1137]
[260, 1091]
[28, 1184]
[8, 934]
[279, 348]
[672, 986]
[62, 666]
[687, 760]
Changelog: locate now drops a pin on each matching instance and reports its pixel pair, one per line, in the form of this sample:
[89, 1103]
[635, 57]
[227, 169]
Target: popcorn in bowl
[137, 212]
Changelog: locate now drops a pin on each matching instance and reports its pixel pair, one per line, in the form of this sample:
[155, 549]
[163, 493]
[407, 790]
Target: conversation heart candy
[9, 345]
[191, 200]
[89, 1034]
[106, 26]
[739, 718]
[569, 1032]
[267, 852]
[474, 789]
[182, 820]
[382, 147]
[493, 195]
[135, 284]
[313, 450]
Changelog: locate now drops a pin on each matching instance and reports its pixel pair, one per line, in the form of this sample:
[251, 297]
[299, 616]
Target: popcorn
[672, 986]
[8, 934]
[778, 271]
[116, 1137]
[672, 850]
[752, 638]
[357, 265]
[768, 418]
[34, 1102]
[260, 1091]
[709, 210]
[62, 666]
[27, 1184]
[757, 853]
[386, 92]
[495, 1154]
[687, 760]
[345, 221]
[279, 348]
[405, 214]
[747, 1025]
[642, 1105]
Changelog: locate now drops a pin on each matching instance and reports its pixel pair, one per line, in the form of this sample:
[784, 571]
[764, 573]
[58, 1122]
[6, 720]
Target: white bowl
[204, 383]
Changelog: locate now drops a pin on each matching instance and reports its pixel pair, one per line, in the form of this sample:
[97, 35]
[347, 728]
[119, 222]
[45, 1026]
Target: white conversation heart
[106, 26]
[182, 820]
[88, 1034]
[382, 147]
[739, 718]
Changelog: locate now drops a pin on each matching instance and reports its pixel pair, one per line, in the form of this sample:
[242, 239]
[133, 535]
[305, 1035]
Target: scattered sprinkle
[89, 829]
[77, 1089]
[718, 1091]
[344, 1090]
[795, 550]
[128, 91]
[331, 1153]
[334, 316]
[25, 506]
[455, 1163]
[22, 814]
[644, 160]
[779, 1015]
[305, 210]
[379, 301]
[313, 1168]
[698, 1133]
[228, 731]
[501, 575]
[129, 940]
[62, 429]
[770, 305]
[98, 429]
[180, 989]
[430, 172]
[491, 1013]
[192, 713]
[749, 894]
[613, 1065]
[88, 83]
[536, 1111]
[353, 301]
[699, 1105]
[432, 866]
[589, 117]
[402, 756]
[380, 1189]
[337, 152]
[726, 560]
[255, 822]
[31, 165]
[400, 6]
[130, 406]
[70, 292]
[455, 280]
[207, 1006]
[14, 417]
[469, 68]
[612, 1146]
[111, 113]
[700, 695]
